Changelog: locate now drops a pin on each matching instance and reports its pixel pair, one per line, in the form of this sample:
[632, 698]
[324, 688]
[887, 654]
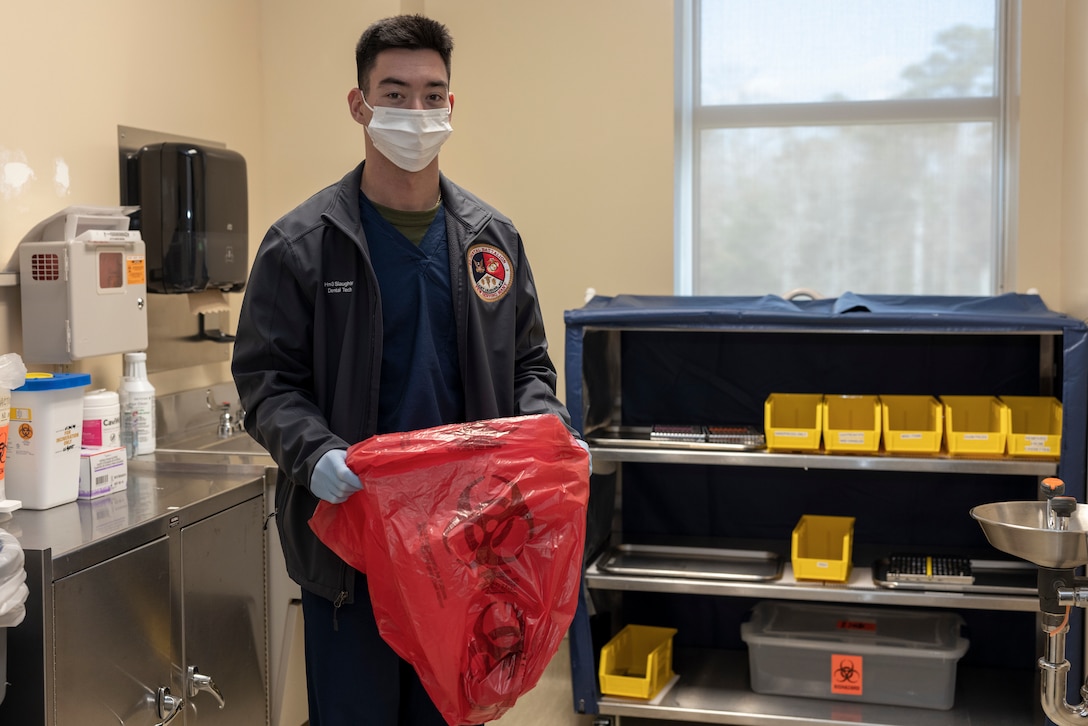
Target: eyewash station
[1053, 535]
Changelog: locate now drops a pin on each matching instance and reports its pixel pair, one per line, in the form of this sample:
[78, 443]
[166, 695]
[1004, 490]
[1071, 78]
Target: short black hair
[414, 32]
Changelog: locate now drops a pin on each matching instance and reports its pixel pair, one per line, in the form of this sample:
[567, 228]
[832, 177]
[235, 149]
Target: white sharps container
[137, 399]
[44, 439]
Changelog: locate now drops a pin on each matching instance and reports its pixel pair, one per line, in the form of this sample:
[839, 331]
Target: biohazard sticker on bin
[847, 674]
[471, 537]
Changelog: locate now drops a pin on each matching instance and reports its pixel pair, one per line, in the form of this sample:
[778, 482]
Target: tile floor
[549, 704]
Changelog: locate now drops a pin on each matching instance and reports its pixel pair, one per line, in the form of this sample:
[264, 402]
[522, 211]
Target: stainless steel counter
[164, 491]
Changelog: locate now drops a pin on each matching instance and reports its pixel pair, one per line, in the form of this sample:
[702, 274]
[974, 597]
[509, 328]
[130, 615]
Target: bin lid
[54, 381]
[900, 628]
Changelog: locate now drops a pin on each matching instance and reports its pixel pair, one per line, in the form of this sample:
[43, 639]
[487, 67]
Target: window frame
[691, 119]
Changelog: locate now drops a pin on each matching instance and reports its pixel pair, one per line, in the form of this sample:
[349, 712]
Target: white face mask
[408, 137]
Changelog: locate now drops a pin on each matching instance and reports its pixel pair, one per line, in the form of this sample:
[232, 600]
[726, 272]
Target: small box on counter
[102, 471]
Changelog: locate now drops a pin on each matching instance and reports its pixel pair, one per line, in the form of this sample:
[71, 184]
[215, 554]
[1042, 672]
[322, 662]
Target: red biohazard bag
[471, 536]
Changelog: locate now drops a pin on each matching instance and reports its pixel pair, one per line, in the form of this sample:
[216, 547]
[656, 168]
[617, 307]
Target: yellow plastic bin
[822, 548]
[975, 425]
[637, 662]
[1035, 425]
[793, 421]
[912, 424]
[851, 424]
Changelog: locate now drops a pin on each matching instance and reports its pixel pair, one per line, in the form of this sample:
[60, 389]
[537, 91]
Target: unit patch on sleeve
[491, 272]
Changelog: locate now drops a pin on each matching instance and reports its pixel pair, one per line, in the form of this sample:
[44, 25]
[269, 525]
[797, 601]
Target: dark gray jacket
[308, 352]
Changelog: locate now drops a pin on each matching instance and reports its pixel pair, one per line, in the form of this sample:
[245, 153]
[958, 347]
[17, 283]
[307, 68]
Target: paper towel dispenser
[193, 218]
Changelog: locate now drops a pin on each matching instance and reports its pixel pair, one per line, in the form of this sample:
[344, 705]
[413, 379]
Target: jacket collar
[343, 211]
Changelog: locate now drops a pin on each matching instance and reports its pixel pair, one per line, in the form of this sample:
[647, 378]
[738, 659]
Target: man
[393, 300]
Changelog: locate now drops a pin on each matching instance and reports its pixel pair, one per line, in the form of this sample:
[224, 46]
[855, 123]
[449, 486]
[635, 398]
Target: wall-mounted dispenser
[82, 280]
[193, 215]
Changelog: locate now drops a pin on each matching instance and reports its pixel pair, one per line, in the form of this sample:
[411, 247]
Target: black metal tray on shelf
[712, 438]
[693, 562]
[998, 577]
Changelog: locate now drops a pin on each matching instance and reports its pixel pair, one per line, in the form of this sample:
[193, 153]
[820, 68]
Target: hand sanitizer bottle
[137, 398]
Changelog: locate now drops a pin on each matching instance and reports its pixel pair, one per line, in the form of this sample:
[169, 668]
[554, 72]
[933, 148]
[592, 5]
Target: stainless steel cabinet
[113, 640]
[147, 607]
[176, 625]
[633, 362]
[223, 618]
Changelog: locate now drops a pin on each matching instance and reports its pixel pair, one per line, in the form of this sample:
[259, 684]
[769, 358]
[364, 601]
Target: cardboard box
[102, 471]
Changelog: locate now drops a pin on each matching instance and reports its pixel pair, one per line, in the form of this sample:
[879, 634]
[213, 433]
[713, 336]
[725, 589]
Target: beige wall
[1041, 106]
[563, 120]
[554, 123]
[72, 72]
[1074, 233]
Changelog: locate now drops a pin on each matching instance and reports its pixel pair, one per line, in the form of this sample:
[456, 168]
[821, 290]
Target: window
[841, 145]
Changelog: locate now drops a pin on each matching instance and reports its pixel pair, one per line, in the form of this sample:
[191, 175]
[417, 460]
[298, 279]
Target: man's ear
[450, 96]
[355, 106]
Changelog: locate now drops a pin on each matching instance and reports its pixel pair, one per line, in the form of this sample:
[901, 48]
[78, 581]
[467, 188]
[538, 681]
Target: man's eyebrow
[393, 81]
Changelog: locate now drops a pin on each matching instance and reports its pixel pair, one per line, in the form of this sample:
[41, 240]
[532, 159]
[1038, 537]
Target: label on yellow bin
[846, 674]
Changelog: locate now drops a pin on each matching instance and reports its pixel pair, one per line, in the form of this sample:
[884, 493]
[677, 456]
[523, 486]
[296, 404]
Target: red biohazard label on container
[846, 674]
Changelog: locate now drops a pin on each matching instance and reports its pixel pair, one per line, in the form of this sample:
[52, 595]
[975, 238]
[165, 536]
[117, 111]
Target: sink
[241, 443]
[1019, 528]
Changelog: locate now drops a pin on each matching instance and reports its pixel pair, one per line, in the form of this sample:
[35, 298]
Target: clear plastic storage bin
[890, 656]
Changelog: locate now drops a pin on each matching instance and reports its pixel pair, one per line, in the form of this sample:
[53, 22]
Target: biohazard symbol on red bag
[490, 532]
[500, 635]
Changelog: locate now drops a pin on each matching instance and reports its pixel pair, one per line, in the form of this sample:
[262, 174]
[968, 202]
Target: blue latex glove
[585, 446]
[332, 480]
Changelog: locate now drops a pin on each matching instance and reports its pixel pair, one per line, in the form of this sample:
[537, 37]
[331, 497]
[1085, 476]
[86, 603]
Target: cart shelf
[713, 688]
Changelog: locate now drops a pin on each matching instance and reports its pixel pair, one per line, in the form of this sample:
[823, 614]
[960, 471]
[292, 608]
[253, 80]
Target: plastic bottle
[137, 399]
[101, 420]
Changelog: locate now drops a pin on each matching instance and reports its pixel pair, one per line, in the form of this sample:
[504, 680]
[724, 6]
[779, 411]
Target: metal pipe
[1054, 669]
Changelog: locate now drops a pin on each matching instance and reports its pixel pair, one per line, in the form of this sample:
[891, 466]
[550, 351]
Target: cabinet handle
[167, 706]
[199, 682]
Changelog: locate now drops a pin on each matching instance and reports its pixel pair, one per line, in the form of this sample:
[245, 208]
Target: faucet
[229, 423]
[1058, 507]
[226, 422]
